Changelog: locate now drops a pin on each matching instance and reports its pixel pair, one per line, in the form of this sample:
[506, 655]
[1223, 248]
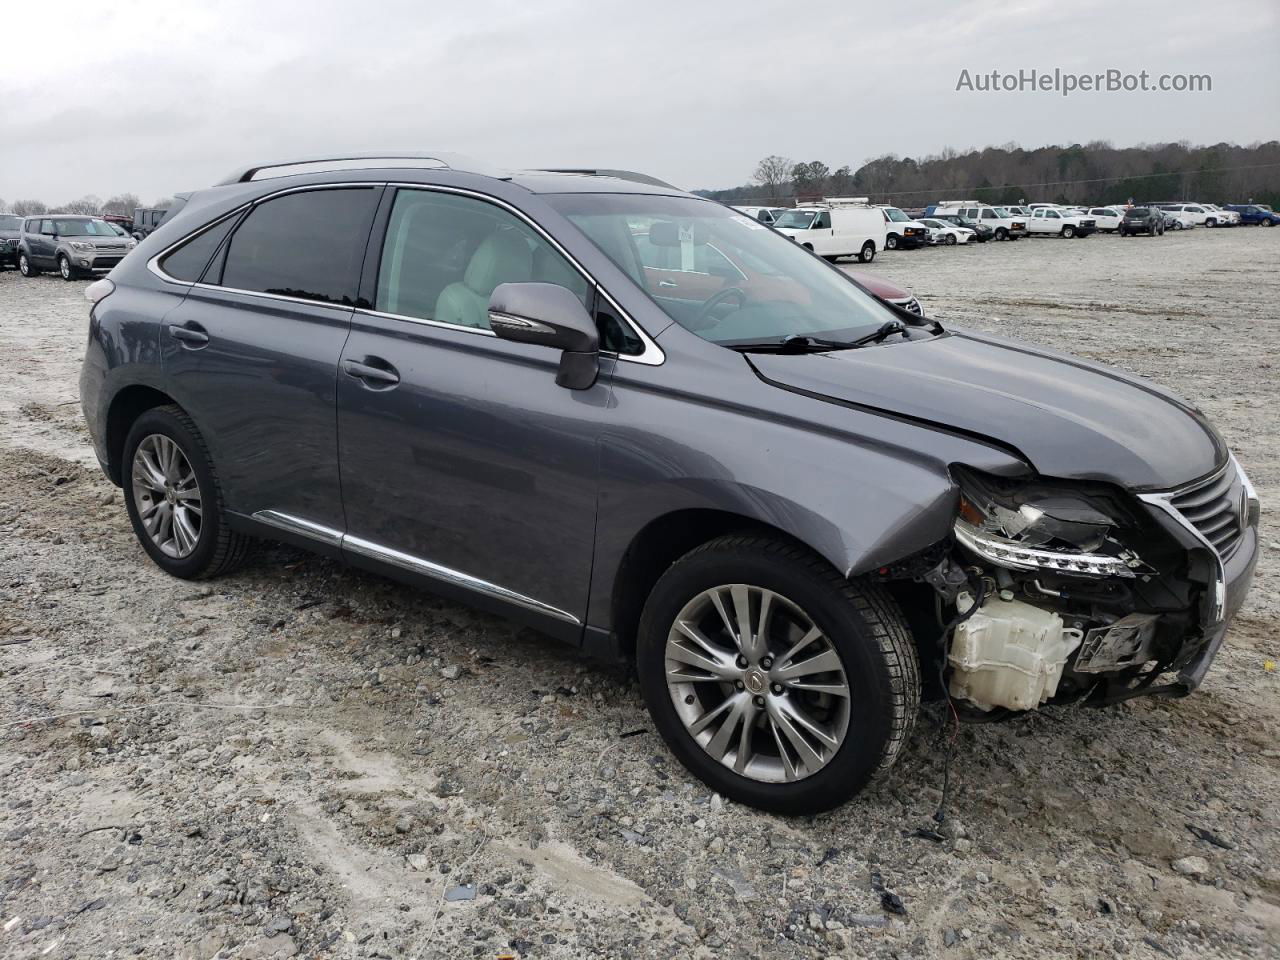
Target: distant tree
[774, 174]
[122, 204]
[89, 204]
[840, 183]
[810, 178]
[29, 208]
[164, 203]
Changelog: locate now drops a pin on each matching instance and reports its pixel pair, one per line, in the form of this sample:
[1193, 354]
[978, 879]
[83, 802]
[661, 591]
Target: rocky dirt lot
[304, 760]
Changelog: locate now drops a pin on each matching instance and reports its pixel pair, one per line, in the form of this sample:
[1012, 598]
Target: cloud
[155, 97]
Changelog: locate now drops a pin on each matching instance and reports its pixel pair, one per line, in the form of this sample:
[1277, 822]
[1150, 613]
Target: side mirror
[549, 315]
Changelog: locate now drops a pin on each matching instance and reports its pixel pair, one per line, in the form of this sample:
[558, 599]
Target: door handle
[372, 376]
[191, 334]
[666, 283]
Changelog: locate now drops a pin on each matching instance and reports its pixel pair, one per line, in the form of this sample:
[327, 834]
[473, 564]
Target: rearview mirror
[549, 315]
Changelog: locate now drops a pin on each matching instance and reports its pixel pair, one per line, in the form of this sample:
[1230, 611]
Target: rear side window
[190, 259]
[306, 245]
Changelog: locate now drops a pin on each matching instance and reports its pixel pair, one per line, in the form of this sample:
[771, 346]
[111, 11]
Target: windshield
[10, 223]
[722, 275]
[894, 214]
[84, 228]
[795, 220]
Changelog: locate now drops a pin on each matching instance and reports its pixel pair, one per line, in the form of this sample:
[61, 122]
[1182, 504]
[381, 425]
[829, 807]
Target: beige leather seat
[502, 257]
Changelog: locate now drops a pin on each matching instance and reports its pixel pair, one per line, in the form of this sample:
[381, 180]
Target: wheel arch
[126, 407]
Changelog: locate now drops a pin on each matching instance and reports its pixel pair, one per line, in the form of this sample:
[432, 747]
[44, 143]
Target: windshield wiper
[886, 329]
[792, 343]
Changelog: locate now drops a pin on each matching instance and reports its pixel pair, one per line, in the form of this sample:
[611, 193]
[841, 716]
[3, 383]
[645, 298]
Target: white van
[835, 227]
[763, 214]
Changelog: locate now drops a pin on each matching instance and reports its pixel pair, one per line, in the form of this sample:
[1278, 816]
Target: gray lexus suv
[654, 428]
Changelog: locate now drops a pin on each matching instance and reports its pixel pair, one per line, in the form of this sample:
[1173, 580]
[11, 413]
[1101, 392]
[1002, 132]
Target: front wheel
[1068, 231]
[65, 268]
[773, 679]
[951, 240]
[891, 242]
[1002, 233]
[868, 252]
[174, 499]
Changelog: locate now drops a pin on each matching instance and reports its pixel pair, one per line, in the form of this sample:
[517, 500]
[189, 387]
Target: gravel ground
[304, 760]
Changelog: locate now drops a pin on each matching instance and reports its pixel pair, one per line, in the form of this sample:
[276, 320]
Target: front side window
[444, 254]
[307, 245]
[779, 288]
[823, 222]
[46, 227]
[895, 215]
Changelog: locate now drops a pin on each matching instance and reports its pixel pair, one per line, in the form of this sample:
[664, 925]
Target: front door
[463, 463]
[252, 352]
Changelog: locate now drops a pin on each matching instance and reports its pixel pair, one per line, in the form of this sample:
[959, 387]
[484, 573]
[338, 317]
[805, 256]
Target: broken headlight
[1035, 526]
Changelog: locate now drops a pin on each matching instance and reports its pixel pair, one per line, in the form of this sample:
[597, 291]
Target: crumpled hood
[1069, 418]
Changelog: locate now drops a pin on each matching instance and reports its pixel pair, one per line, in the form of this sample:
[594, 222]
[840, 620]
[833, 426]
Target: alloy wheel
[756, 683]
[167, 495]
[64, 268]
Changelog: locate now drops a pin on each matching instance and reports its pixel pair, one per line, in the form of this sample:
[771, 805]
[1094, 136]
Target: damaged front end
[1069, 591]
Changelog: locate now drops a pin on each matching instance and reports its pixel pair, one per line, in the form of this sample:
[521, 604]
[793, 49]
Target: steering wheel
[704, 320]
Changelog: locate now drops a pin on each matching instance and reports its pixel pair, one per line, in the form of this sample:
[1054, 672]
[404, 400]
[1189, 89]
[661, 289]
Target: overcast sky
[156, 97]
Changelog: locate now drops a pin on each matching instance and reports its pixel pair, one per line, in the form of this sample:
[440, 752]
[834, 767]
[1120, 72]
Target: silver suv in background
[74, 246]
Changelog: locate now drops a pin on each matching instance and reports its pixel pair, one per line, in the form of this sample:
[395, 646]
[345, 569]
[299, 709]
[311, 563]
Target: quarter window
[189, 260]
[444, 254]
[306, 245]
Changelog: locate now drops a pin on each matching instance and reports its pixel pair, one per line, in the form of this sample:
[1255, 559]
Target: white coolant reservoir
[1009, 654]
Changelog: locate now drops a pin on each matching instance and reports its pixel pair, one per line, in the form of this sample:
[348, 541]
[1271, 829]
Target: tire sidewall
[868, 252]
[871, 703]
[24, 265]
[65, 269]
[160, 421]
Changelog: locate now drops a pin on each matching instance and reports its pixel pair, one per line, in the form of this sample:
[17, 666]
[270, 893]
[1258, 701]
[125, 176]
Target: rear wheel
[772, 678]
[26, 267]
[868, 252]
[174, 499]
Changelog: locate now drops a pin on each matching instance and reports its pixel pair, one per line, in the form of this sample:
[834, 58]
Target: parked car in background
[836, 227]
[1004, 224]
[1218, 217]
[1255, 214]
[10, 234]
[888, 292]
[901, 231]
[949, 234]
[981, 231]
[1053, 222]
[1107, 218]
[1018, 210]
[1175, 217]
[764, 214]
[777, 508]
[1148, 220]
[146, 219]
[126, 223]
[74, 246]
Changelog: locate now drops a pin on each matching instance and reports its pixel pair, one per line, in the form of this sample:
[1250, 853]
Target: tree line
[122, 204]
[1096, 172]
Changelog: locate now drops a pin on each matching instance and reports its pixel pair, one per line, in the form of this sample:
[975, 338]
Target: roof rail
[358, 161]
[616, 174]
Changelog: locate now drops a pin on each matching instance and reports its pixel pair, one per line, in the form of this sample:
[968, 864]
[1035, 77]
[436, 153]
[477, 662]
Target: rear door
[252, 351]
[463, 463]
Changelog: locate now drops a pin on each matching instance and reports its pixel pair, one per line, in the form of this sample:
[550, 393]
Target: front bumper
[9, 252]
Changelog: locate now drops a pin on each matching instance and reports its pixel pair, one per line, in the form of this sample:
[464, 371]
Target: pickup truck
[1004, 224]
[1052, 222]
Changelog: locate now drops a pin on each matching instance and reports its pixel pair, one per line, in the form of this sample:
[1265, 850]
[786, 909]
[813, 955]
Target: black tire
[26, 267]
[1002, 233]
[65, 267]
[951, 239]
[891, 242]
[219, 549]
[1068, 231]
[868, 252]
[1268, 223]
[866, 629]
[1122, 232]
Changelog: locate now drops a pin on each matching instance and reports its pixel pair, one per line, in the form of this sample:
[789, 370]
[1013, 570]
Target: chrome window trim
[651, 355]
[406, 561]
